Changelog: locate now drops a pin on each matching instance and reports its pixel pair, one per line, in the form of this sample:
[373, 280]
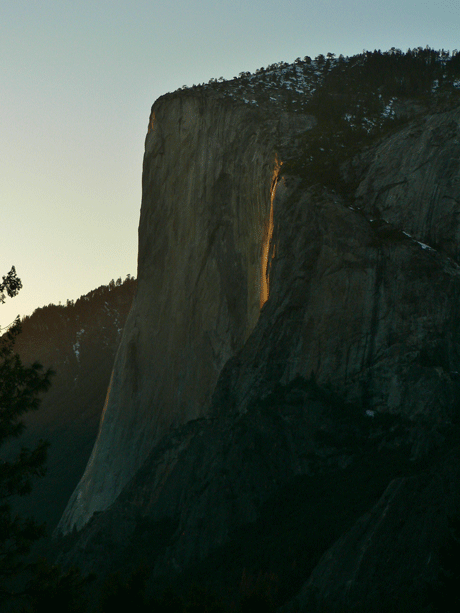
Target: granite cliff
[294, 341]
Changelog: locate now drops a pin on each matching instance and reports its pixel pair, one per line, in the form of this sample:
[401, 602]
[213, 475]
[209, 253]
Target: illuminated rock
[210, 174]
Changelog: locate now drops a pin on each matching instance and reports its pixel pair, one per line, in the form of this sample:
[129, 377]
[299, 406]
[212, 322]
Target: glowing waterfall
[268, 234]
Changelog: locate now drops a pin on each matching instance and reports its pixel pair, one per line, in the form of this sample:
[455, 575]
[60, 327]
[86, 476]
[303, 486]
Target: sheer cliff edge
[210, 173]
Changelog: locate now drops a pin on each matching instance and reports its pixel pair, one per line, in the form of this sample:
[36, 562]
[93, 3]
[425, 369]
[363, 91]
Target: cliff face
[210, 174]
[293, 347]
[392, 553]
[367, 292]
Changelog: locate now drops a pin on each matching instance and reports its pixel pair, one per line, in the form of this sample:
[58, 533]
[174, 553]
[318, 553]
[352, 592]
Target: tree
[51, 588]
[20, 390]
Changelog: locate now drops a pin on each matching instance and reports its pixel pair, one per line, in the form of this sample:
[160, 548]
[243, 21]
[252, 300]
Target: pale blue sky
[78, 78]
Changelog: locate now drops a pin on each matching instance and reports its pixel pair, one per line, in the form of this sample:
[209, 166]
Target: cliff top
[377, 79]
[354, 100]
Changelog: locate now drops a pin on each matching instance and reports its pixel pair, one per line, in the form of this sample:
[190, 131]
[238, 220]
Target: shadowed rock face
[359, 304]
[364, 288]
[392, 550]
[210, 172]
[413, 182]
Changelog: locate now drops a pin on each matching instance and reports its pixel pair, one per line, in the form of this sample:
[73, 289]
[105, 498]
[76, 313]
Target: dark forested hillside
[79, 341]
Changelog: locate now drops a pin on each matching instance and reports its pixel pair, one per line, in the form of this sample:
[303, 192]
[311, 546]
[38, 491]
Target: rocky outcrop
[210, 173]
[355, 302]
[391, 556]
[412, 181]
[284, 332]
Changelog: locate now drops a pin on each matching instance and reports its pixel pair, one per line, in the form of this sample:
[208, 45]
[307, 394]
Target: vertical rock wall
[205, 226]
[365, 290]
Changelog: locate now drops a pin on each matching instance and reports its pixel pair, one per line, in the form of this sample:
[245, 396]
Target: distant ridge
[79, 340]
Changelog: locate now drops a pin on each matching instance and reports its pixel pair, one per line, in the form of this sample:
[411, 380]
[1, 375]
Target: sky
[78, 79]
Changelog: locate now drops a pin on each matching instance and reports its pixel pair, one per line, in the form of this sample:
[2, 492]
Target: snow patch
[423, 246]
[76, 345]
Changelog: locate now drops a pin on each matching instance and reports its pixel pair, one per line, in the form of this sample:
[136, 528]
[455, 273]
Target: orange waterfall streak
[268, 234]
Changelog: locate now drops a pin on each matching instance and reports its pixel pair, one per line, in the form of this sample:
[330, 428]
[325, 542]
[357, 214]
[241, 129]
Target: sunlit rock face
[210, 173]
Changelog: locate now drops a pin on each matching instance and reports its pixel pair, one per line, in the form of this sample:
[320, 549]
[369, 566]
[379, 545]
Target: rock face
[374, 561]
[287, 337]
[356, 303]
[210, 173]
